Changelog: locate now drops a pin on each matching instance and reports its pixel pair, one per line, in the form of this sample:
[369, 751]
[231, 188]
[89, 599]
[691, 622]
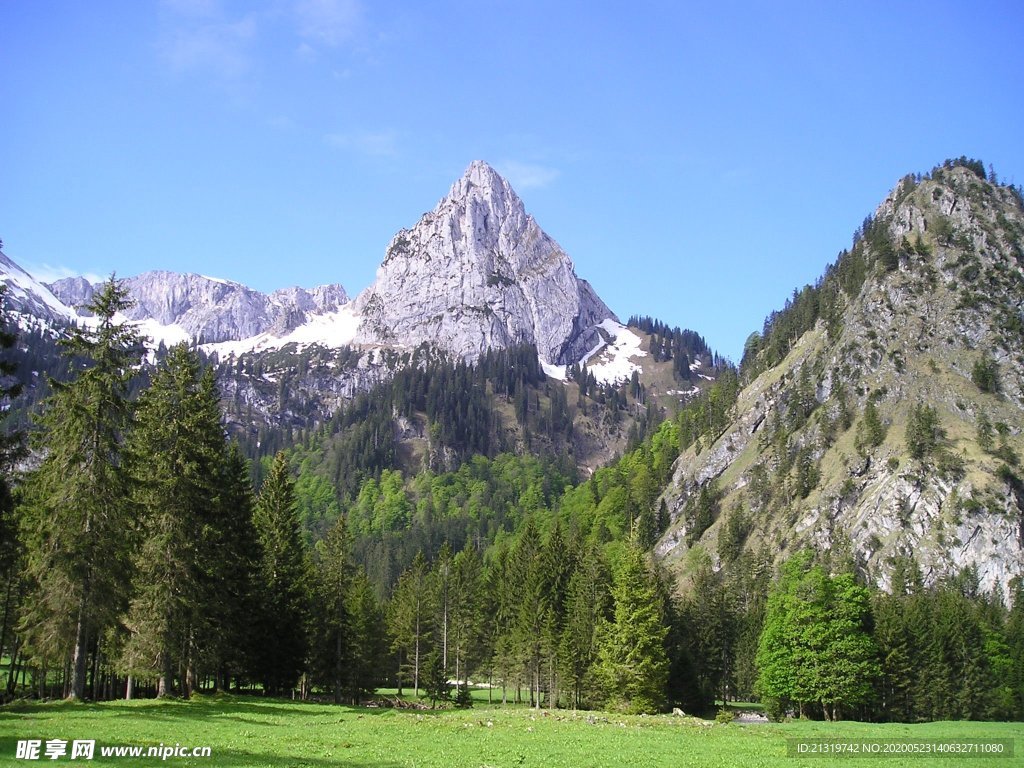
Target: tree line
[140, 560]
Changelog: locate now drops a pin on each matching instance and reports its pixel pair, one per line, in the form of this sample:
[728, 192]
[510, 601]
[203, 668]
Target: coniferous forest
[145, 552]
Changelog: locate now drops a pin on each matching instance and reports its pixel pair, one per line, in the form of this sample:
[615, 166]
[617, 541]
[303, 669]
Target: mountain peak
[482, 183]
[478, 273]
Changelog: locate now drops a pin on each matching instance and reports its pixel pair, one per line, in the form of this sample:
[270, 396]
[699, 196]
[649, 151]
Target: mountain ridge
[860, 426]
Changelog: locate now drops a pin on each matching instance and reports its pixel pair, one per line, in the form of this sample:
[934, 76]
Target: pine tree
[587, 600]
[285, 581]
[177, 456]
[232, 569]
[333, 641]
[713, 619]
[366, 625]
[11, 449]
[408, 620]
[632, 665]
[466, 620]
[77, 523]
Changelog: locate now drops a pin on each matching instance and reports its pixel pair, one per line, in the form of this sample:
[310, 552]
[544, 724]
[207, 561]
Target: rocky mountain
[173, 306]
[478, 273]
[475, 275]
[883, 410]
[28, 298]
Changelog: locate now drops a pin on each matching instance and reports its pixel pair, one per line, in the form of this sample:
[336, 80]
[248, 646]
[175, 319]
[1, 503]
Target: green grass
[255, 732]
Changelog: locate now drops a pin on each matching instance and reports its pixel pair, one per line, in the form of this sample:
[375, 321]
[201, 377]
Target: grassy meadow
[243, 731]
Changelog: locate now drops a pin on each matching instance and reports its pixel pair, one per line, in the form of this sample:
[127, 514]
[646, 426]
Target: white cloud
[527, 175]
[373, 143]
[47, 273]
[330, 22]
[221, 47]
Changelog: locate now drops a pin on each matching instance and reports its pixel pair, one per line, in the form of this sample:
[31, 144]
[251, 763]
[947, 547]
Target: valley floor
[253, 732]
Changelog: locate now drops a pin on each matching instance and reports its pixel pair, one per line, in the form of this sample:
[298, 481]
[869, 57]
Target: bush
[724, 716]
[985, 374]
[774, 709]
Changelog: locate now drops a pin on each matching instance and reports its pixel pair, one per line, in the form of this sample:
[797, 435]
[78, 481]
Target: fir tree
[587, 599]
[78, 519]
[232, 567]
[408, 620]
[632, 664]
[11, 449]
[177, 456]
[333, 646]
[285, 581]
[366, 626]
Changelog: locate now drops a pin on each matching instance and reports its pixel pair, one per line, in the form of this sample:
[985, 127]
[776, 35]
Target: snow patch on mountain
[615, 360]
[26, 296]
[331, 329]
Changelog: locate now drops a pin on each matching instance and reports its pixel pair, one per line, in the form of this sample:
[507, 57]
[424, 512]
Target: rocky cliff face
[209, 309]
[29, 298]
[931, 340]
[477, 273]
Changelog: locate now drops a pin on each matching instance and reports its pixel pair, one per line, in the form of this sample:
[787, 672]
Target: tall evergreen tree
[177, 453]
[78, 517]
[466, 620]
[632, 664]
[408, 621]
[333, 643]
[366, 626]
[586, 607]
[11, 449]
[285, 580]
[232, 570]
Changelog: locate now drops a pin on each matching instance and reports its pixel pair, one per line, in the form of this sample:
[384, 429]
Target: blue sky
[697, 160]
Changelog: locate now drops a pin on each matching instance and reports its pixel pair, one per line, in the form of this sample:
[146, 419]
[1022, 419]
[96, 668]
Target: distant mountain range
[881, 412]
[476, 273]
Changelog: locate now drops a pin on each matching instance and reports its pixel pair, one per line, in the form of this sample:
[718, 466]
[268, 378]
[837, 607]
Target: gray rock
[478, 273]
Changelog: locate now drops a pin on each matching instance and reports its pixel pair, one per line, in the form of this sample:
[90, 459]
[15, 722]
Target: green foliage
[816, 648]
[923, 433]
[285, 574]
[945, 652]
[702, 511]
[632, 665]
[985, 374]
[713, 618]
[436, 683]
[77, 521]
[870, 429]
[178, 456]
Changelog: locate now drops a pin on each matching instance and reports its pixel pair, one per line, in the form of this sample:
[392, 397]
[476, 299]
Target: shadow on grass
[256, 759]
[226, 757]
[221, 707]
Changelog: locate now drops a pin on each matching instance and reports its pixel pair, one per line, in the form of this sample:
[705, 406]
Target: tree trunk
[130, 688]
[165, 686]
[7, 610]
[399, 673]
[12, 669]
[338, 682]
[416, 661]
[81, 649]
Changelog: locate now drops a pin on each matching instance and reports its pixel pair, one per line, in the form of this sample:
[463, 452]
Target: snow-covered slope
[172, 307]
[477, 273]
[612, 360]
[29, 298]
